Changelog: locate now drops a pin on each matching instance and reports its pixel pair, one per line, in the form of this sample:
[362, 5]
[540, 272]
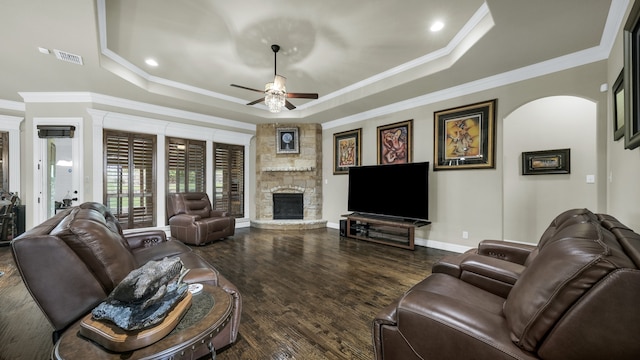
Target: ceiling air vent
[68, 57]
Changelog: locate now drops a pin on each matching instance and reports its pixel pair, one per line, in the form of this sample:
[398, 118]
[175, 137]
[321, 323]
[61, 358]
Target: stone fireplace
[297, 174]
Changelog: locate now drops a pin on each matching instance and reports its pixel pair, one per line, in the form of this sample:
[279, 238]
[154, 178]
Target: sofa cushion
[571, 262]
[103, 249]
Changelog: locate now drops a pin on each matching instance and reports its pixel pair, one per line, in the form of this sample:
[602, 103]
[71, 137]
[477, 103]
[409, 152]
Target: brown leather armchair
[576, 299]
[193, 221]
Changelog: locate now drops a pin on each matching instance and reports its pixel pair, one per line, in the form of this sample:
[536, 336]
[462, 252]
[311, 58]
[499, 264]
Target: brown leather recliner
[495, 265]
[193, 221]
[72, 261]
[576, 299]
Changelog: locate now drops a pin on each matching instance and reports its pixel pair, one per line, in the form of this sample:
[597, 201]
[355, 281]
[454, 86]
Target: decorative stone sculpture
[145, 296]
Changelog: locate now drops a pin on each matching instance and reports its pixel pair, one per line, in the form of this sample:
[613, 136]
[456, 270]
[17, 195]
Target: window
[229, 179]
[186, 165]
[4, 161]
[129, 178]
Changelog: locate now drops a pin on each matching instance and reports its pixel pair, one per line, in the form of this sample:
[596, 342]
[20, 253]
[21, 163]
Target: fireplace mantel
[287, 168]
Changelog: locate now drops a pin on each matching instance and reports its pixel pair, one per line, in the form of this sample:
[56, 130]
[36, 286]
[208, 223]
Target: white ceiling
[359, 55]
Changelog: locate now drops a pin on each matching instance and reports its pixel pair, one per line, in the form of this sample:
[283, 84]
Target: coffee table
[211, 310]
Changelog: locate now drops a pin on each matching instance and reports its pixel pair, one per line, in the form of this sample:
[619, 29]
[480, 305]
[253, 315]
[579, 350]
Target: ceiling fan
[275, 93]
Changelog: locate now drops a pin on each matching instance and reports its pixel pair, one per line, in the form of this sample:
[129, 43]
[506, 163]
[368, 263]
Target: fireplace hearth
[288, 206]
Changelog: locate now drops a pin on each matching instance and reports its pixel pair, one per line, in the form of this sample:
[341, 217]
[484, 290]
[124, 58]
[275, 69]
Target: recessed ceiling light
[437, 26]
[151, 62]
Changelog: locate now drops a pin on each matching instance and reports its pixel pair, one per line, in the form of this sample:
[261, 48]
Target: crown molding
[88, 97]
[12, 105]
[120, 121]
[576, 59]
[598, 53]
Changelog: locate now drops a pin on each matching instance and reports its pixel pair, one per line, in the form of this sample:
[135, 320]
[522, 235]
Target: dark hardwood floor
[306, 294]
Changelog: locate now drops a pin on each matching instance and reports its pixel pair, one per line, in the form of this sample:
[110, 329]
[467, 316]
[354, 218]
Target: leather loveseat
[575, 298]
[71, 262]
[192, 220]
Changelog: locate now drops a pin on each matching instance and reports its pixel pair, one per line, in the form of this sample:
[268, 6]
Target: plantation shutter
[222, 195]
[4, 161]
[197, 166]
[186, 165]
[130, 178]
[229, 179]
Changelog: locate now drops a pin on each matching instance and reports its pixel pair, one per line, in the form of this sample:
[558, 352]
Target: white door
[58, 169]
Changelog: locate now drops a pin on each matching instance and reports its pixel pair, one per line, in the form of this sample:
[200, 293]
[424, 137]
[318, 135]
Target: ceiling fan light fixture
[274, 99]
[275, 93]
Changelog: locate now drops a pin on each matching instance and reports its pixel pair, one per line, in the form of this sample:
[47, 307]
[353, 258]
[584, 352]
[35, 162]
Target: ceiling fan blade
[247, 88]
[289, 105]
[302, 95]
[256, 101]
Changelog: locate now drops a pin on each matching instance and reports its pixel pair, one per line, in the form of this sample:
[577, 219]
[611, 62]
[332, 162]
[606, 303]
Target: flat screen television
[399, 190]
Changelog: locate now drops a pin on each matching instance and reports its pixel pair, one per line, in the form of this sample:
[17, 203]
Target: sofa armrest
[501, 270]
[508, 251]
[218, 213]
[183, 219]
[140, 239]
[450, 265]
[493, 275]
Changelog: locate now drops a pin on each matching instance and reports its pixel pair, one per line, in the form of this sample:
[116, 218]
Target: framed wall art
[546, 162]
[287, 140]
[346, 150]
[465, 137]
[631, 46]
[394, 143]
[618, 107]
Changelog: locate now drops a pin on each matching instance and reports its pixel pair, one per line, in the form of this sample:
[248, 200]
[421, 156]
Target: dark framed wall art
[287, 140]
[618, 107]
[394, 143]
[546, 162]
[346, 150]
[465, 137]
[631, 78]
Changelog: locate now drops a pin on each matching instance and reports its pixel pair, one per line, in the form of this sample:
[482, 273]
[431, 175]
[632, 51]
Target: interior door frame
[41, 200]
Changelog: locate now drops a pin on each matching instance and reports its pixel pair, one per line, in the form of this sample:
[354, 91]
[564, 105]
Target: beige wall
[474, 200]
[623, 166]
[556, 122]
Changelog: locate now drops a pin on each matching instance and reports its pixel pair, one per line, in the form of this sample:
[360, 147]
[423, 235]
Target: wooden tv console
[383, 230]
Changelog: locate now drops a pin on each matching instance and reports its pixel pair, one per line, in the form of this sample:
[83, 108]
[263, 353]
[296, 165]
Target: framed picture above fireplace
[287, 140]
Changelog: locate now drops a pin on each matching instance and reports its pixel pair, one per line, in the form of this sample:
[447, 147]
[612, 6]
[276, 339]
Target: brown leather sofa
[576, 298]
[193, 221]
[72, 261]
